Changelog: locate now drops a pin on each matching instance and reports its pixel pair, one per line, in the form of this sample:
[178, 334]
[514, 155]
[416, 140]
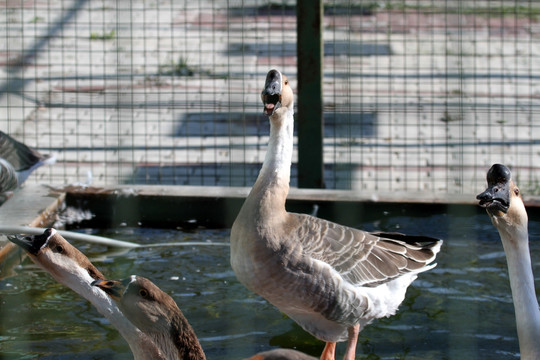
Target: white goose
[146, 317]
[331, 279]
[504, 205]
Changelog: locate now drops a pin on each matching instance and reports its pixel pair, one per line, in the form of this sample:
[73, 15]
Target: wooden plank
[32, 206]
[190, 207]
[211, 206]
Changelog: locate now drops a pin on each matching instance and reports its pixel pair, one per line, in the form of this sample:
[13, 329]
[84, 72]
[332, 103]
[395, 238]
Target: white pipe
[68, 235]
[94, 239]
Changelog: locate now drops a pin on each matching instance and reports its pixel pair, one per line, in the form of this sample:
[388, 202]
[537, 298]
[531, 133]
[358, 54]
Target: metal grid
[418, 95]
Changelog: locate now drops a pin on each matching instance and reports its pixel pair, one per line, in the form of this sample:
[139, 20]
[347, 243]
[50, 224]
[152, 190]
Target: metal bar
[309, 14]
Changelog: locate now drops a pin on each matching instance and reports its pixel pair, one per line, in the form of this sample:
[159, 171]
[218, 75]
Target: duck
[17, 162]
[331, 279]
[146, 317]
[504, 205]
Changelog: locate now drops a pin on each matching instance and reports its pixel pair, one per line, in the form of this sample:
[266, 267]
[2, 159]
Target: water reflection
[462, 309]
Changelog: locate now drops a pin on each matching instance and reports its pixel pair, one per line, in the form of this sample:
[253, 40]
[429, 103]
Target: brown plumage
[70, 267]
[156, 313]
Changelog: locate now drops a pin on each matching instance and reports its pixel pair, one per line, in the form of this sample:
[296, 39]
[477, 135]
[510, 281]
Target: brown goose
[504, 205]
[331, 279]
[156, 314]
[146, 317]
[70, 267]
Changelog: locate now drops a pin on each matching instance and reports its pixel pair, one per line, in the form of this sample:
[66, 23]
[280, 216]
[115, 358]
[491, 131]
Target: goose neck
[523, 295]
[140, 344]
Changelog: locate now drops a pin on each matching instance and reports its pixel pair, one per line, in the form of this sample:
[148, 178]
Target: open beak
[32, 244]
[271, 94]
[496, 198]
[114, 288]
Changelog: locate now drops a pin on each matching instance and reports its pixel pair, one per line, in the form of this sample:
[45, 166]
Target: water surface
[462, 309]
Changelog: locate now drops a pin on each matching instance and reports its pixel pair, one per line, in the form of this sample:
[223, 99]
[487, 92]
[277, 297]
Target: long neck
[140, 344]
[272, 185]
[78, 280]
[180, 342]
[523, 293]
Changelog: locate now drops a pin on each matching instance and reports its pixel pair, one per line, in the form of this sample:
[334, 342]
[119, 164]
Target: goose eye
[58, 249]
[143, 293]
[516, 191]
[92, 273]
[286, 82]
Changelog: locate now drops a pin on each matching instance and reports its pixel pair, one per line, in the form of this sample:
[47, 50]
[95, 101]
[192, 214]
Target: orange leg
[329, 352]
[350, 353]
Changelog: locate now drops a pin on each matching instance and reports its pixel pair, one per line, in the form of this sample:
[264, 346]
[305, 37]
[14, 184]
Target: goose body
[504, 205]
[331, 279]
[17, 161]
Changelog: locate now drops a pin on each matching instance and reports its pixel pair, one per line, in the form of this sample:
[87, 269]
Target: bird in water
[504, 204]
[156, 314]
[70, 267]
[331, 279]
[148, 318]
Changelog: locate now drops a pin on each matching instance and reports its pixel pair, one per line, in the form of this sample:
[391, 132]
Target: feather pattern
[17, 161]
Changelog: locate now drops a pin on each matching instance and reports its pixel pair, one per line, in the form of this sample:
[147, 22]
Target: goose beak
[271, 94]
[32, 244]
[114, 288]
[496, 198]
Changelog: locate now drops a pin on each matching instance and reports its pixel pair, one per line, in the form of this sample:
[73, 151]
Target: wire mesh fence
[418, 95]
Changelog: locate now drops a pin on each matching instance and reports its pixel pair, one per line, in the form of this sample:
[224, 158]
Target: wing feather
[363, 258]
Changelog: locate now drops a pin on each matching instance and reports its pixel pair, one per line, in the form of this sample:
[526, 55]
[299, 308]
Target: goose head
[141, 301]
[156, 314]
[503, 202]
[54, 254]
[277, 95]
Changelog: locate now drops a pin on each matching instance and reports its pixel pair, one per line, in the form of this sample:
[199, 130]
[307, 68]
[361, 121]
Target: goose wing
[363, 258]
[8, 177]
[20, 156]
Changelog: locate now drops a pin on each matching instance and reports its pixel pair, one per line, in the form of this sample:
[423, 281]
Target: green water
[462, 309]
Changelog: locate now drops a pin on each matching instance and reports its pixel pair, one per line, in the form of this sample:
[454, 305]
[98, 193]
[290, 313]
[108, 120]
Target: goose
[148, 318]
[504, 205]
[156, 313]
[67, 265]
[331, 279]
[17, 161]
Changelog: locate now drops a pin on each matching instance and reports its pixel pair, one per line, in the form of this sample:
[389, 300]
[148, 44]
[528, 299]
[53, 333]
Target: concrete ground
[156, 92]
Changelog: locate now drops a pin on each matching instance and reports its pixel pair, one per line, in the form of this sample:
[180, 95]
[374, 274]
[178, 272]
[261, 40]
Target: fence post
[309, 17]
